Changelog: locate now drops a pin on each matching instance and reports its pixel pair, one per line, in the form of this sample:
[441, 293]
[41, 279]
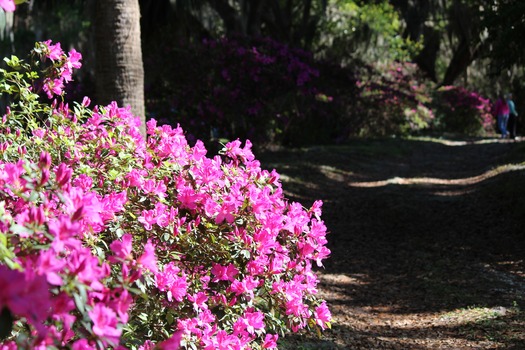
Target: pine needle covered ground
[427, 240]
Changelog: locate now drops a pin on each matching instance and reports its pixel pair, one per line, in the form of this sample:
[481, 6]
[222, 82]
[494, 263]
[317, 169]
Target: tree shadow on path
[421, 231]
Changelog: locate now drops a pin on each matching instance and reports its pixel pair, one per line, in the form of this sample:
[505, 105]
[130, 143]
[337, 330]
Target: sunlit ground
[481, 327]
[436, 181]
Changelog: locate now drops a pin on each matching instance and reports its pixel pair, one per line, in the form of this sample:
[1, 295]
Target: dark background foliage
[293, 72]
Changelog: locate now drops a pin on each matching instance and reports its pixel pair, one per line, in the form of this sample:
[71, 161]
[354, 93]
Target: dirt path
[427, 240]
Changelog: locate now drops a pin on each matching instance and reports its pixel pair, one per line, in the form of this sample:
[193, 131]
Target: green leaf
[80, 303]
[19, 229]
[113, 174]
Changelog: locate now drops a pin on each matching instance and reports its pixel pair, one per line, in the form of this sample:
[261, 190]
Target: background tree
[504, 23]
[119, 65]
[455, 42]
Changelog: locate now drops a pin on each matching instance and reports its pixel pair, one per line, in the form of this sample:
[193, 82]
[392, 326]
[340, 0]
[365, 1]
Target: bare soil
[427, 239]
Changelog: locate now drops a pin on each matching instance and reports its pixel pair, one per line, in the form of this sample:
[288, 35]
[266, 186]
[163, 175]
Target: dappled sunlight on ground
[436, 181]
[384, 327]
[482, 141]
[426, 238]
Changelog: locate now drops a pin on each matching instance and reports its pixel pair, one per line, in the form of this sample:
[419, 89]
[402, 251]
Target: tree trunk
[463, 56]
[119, 68]
[426, 59]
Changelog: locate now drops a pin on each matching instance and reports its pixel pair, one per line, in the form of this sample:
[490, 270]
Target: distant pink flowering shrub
[394, 100]
[108, 240]
[462, 111]
[237, 87]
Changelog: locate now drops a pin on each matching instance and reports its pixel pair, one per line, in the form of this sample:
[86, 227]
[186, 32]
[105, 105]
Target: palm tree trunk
[119, 68]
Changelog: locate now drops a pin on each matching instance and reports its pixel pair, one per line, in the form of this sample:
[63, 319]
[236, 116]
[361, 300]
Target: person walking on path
[513, 117]
[501, 111]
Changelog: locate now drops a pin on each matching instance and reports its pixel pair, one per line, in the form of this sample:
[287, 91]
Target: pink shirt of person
[501, 107]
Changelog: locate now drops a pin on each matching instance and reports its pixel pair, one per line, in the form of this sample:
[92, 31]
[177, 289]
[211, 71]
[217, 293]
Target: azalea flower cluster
[110, 240]
[61, 70]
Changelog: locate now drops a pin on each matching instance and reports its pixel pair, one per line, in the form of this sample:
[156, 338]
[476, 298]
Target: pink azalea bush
[110, 240]
[463, 111]
[248, 88]
[394, 100]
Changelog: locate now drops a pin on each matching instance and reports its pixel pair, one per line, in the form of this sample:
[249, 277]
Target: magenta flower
[63, 174]
[83, 344]
[270, 341]
[199, 301]
[86, 101]
[121, 302]
[224, 273]
[25, 295]
[226, 211]
[178, 289]
[148, 258]
[246, 286]
[105, 323]
[55, 51]
[223, 341]
[148, 218]
[64, 232]
[253, 321]
[48, 265]
[123, 248]
[86, 268]
[10, 345]
[148, 345]
[170, 281]
[234, 151]
[74, 59]
[322, 315]
[212, 232]
[45, 160]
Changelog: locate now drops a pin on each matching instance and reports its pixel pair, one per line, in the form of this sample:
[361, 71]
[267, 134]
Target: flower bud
[45, 160]
[45, 177]
[63, 174]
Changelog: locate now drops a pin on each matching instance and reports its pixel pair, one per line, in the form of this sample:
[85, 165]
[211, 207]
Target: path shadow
[409, 245]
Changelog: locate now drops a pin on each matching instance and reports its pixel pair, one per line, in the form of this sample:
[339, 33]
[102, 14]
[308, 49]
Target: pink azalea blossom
[178, 289]
[169, 280]
[83, 344]
[123, 248]
[105, 323]
[251, 321]
[322, 315]
[25, 295]
[224, 273]
[148, 218]
[63, 174]
[48, 265]
[270, 341]
[246, 286]
[74, 58]
[199, 301]
[55, 51]
[121, 302]
[148, 258]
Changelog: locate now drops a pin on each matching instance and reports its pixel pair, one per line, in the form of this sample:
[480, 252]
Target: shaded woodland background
[291, 72]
